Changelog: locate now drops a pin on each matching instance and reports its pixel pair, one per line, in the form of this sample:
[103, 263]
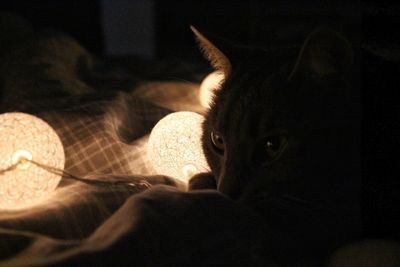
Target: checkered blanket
[104, 138]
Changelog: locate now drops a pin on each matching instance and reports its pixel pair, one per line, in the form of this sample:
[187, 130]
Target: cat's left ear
[324, 53]
[215, 56]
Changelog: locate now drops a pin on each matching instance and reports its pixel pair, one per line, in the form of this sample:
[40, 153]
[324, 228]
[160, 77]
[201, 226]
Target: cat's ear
[217, 59]
[324, 53]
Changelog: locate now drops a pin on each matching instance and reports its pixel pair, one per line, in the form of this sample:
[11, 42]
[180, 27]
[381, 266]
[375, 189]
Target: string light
[174, 146]
[207, 87]
[32, 156]
[32, 163]
[25, 139]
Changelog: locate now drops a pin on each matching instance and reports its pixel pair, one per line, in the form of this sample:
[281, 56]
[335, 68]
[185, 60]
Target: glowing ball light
[25, 138]
[210, 83]
[174, 146]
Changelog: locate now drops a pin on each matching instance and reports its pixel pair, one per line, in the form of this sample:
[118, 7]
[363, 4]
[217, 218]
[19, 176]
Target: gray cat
[282, 137]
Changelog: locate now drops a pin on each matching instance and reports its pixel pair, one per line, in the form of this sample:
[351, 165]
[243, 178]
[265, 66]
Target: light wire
[143, 184]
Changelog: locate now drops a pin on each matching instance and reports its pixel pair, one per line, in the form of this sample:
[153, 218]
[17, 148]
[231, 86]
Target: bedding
[103, 112]
[145, 220]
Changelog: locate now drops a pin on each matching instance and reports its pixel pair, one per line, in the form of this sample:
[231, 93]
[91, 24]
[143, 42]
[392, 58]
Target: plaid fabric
[104, 138]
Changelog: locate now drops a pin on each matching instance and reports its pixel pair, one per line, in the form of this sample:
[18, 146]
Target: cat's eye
[217, 142]
[274, 145]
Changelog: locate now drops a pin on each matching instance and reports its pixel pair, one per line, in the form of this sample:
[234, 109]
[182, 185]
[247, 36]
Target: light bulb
[25, 138]
[174, 146]
[208, 86]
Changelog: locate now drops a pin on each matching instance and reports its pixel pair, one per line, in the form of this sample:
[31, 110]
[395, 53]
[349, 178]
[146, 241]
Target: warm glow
[174, 146]
[211, 83]
[25, 138]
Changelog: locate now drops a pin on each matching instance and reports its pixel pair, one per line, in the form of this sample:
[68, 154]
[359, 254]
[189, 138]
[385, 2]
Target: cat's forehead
[259, 95]
[249, 101]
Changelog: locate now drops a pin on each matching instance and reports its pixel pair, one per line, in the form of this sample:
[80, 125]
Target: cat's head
[283, 119]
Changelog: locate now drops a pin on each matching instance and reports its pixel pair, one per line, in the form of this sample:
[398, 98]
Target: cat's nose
[231, 183]
[234, 173]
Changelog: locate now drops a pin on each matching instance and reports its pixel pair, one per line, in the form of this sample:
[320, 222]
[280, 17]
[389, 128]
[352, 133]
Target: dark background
[105, 29]
[167, 23]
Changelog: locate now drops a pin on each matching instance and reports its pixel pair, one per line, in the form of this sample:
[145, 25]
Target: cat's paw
[202, 181]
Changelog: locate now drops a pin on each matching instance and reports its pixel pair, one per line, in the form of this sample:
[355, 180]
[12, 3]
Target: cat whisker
[296, 199]
[178, 79]
[285, 200]
[263, 196]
